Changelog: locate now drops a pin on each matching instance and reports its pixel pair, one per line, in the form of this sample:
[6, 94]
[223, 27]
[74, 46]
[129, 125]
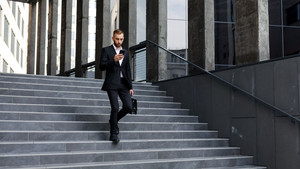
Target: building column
[41, 42]
[201, 34]
[128, 24]
[128, 19]
[252, 31]
[31, 38]
[82, 33]
[52, 37]
[103, 33]
[156, 31]
[66, 35]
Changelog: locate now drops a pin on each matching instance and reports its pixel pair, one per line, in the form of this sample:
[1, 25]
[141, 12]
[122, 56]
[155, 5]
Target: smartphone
[122, 52]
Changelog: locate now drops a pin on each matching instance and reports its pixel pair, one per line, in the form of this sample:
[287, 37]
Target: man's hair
[118, 31]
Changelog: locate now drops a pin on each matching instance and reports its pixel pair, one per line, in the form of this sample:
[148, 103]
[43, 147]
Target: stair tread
[80, 131]
[106, 100]
[119, 151]
[116, 163]
[69, 86]
[106, 141]
[78, 92]
[97, 114]
[87, 106]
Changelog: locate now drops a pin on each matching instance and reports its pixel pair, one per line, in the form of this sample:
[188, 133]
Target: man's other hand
[131, 92]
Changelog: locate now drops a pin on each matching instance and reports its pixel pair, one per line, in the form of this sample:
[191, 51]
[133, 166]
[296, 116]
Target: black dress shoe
[114, 138]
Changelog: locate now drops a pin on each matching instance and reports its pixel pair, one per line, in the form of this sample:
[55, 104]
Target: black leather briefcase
[134, 106]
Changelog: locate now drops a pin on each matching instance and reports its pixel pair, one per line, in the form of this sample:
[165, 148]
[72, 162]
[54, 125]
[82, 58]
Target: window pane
[21, 58]
[6, 30]
[291, 41]
[177, 9]
[14, 8]
[1, 19]
[4, 67]
[290, 11]
[17, 52]
[224, 45]
[224, 10]
[275, 42]
[23, 27]
[12, 42]
[19, 18]
[178, 28]
[274, 12]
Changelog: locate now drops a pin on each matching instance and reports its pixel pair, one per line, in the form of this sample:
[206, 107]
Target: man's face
[118, 39]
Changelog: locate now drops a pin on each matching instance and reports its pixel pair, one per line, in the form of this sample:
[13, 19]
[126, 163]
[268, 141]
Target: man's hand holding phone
[119, 56]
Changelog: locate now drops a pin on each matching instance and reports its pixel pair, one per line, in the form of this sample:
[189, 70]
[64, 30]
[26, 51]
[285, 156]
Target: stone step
[46, 116]
[19, 85]
[78, 95]
[75, 79]
[13, 135]
[73, 146]
[112, 156]
[68, 82]
[178, 163]
[96, 126]
[240, 167]
[83, 102]
[84, 109]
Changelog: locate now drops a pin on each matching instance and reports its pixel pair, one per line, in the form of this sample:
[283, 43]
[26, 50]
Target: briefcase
[134, 106]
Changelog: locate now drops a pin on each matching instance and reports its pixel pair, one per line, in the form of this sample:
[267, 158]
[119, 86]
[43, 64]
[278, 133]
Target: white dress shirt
[120, 61]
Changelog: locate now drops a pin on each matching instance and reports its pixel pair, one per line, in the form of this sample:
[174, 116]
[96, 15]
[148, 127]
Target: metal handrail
[83, 67]
[294, 119]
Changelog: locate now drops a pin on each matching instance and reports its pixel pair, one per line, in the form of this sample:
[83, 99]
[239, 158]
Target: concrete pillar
[252, 31]
[41, 42]
[31, 39]
[201, 34]
[66, 35]
[81, 36]
[103, 34]
[156, 31]
[128, 19]
[52, 37]
[128, 24]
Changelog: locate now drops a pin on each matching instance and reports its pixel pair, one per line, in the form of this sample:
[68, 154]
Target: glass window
[290, 12]
[73, 35]
[177, 9]
[178, 28]
[274, 12]
[19, 18]
[23, 29]
[6, 31]
[14, 8]
[21, 59]
[291, 41]
[275, 40]
[17, 52]
[4, 67]
[73, 19]
[224, 10]
[1, 19]
[92, 36]
[12, 42]
[224, 44]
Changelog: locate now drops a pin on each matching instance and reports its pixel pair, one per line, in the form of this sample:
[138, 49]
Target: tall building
[13, 36]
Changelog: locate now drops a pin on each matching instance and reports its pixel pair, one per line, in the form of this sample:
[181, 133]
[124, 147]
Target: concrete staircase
[56, 122]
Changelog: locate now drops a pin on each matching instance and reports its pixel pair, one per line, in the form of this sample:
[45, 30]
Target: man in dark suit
[115, 60]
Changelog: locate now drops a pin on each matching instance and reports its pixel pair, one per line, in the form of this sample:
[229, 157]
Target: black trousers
[115, 114]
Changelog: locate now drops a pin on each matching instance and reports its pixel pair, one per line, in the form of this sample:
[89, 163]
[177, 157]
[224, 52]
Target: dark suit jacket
[107, 62]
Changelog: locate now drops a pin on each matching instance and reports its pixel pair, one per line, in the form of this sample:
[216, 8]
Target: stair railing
[232, 86]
